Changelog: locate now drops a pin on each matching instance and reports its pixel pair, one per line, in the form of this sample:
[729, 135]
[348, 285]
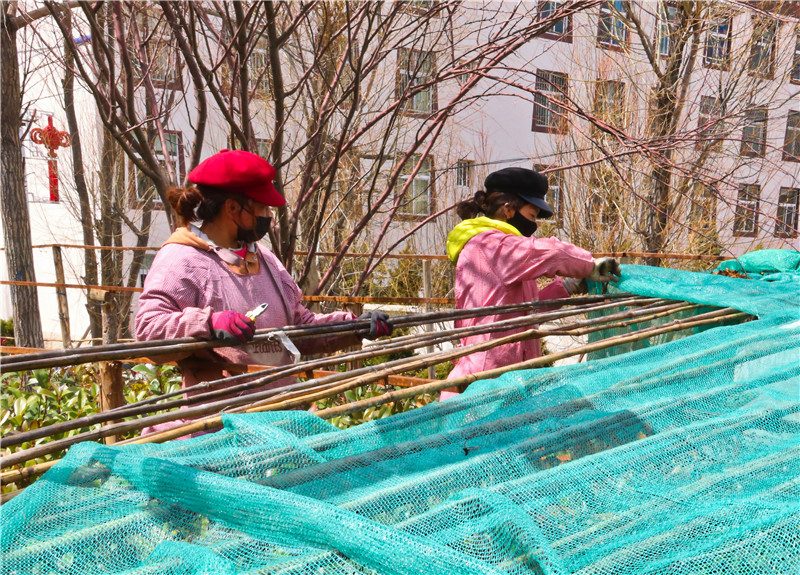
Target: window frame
[554, 175]
[705, 116]
[758, 43]
[794, 142]
[605, 36]
[724, 62]
[547, 7]
[750, 148]
[794, 73]
[783, 227]
[430, 176]
[664, 7]
[546, 103]
[603, 113]
[464, 173]
[144, 19]
[406, 81]
[746, 211]
[136, 199]
[261, 89]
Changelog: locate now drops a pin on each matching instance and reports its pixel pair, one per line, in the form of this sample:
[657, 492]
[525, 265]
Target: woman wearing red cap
[211, 272]
[498, 262]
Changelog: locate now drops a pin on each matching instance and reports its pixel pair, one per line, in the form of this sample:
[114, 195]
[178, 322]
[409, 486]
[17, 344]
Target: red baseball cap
[240, 172]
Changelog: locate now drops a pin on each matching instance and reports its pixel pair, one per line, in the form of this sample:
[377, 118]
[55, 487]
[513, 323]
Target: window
[795, 75]
[791, 144]
[263, 146]
[754, 133]
[464, 170]
[710, 125]
[147, 263]
[555, 187]
[161, 60]
[468, 68]
[415, 70]
[762, 47]
[418, 198]
[602, 208]
[258, 69]
[718, 43]
[562, 29]
[786, 226]
[417, 7]
[668, 22]
[612, 31]
[145, 190]
[745, 219]
[609, 101]
[548, 115]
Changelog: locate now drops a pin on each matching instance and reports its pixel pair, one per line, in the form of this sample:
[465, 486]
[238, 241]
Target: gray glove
[605, 270]
[575, 286]
[380, 323]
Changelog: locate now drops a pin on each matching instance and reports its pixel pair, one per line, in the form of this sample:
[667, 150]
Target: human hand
[380, 323]
[605, 270]
[575, 286]
[232, 326]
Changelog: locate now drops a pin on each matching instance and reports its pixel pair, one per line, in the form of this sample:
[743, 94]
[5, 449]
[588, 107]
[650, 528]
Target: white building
[747, 73]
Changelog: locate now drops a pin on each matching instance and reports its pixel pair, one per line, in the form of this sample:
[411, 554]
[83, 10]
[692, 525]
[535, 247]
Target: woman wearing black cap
[498, 262]
[212, 271]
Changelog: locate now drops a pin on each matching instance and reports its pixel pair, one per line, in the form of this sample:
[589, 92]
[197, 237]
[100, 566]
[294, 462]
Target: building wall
[494, 132]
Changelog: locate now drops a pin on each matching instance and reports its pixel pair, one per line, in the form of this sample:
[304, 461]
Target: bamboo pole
[711, 318]
[215, 421]
[274, 374]
[120, 351]
[538, 362]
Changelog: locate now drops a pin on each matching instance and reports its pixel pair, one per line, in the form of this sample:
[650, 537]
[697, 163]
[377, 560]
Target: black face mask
[255, 233]
[525, 226]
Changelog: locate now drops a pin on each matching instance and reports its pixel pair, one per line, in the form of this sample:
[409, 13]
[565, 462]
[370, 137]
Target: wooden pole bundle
[133, 350]
[327, 387]
[214, 422]
[403, 343]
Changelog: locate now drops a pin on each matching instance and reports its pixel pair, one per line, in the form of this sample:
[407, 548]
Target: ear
[232, 207]
[508, 210]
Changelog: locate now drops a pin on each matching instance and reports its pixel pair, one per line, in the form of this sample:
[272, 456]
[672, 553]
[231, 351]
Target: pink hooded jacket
[188, 282]
[497, 267]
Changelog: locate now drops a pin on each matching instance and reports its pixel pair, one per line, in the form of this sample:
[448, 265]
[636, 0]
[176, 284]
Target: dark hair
[488, 203]
[198, 202]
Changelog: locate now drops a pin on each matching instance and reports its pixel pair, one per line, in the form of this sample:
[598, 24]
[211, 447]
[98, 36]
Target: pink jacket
[187, 283]
[497, 268]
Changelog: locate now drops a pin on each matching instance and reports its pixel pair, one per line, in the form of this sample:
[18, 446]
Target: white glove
[575, 285]
[605, 270]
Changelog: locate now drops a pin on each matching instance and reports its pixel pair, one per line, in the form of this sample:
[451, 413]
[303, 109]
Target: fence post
[61, 296]
[426, 292]
[111, 394]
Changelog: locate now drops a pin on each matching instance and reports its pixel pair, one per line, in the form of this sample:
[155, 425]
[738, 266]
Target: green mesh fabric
[680, 458]
[764, 262]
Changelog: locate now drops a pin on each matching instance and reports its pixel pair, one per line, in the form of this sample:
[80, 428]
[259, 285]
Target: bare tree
[16, 220]
[346, 100]
[656, 124]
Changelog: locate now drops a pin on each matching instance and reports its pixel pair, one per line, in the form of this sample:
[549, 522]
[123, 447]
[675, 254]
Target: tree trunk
[90, 258]
[16, 220]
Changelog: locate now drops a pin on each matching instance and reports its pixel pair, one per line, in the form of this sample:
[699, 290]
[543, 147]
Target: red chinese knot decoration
[52, 139]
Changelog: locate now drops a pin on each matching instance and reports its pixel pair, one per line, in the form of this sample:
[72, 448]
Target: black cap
[527, 184]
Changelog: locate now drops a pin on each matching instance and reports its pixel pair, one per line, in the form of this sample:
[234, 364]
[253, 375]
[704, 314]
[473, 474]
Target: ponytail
[199, 203]
[488, 203]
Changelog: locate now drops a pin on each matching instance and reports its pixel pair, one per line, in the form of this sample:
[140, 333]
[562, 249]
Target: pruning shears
[255, 312]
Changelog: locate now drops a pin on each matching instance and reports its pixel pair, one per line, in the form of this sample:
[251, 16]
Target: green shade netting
[671, 459]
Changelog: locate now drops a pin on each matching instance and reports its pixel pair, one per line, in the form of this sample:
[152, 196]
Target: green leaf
[20, 405]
